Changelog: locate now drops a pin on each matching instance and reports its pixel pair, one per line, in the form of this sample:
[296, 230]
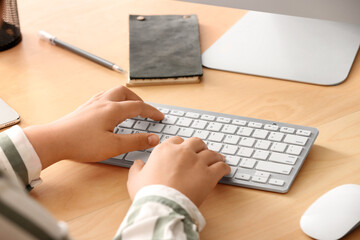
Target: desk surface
[43, 83]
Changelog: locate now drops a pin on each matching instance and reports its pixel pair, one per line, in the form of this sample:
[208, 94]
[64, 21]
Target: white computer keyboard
[262, 154]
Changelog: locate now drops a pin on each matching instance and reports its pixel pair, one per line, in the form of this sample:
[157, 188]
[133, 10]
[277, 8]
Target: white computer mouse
[334, 214]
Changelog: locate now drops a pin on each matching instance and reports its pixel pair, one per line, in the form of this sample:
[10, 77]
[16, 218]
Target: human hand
[187, 166]
[86, 134]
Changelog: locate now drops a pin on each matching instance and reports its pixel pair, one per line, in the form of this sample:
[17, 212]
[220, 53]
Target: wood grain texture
[43, 83]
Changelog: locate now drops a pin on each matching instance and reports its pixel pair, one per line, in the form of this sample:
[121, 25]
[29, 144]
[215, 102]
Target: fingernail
[153, 139]
[223, 158]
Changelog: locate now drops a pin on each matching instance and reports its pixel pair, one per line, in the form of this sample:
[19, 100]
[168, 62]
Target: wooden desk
[43, 82]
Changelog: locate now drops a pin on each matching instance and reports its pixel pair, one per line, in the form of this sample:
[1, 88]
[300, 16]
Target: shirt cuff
[176, 196]
[27, 154]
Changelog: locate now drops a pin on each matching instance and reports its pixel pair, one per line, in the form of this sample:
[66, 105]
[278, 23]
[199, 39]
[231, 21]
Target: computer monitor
[311, 41]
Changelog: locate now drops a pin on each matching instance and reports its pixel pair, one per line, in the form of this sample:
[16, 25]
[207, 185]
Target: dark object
[9, 24]
[164, 49]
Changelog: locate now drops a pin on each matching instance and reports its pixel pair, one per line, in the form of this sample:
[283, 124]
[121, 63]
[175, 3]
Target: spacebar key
[273, 167]
[132, 156]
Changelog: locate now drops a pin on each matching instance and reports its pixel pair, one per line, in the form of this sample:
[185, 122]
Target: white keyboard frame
[288, 179]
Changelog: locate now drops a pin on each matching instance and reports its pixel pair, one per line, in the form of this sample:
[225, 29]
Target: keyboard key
[141, 125]
[171, 129]
[273, 167]
[259, 133]
[232, 139]
[151, 120]
[192, 115]
[276, 136]
[156, 127]
[232, 160]
[276, 182]
[207, 117]
[124, 131]
[128, 123]
[247, 142]
[199, 124]
[242, 176]
[229, 149]
[228, 128]
[223, 120]
[271, 127]
[186, 132]
[247, 163]
[294, 139]
[120, 157]
[164, 110]
[292, 149]
[168, 119]
[203, 134]
[263, 144]
[245, 131]
[232, 172]
[283, 158]
[177, 113]
[287, 130]
[132, 156]
[305, 133]
[184, 122]
[278, 147]
[164, 138]
[138, 131]
[261, 154]
[139, 118]
[262, 174]
[214, 146]
[259, 179]
[255, 124]
[245, 152]
[214, 126]
[239, 122]
[215, 136]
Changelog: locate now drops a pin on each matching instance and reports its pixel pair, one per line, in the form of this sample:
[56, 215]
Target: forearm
[47, 142]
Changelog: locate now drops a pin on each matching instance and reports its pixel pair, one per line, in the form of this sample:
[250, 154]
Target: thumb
[136, 168]
[132, 184]
[137, 141]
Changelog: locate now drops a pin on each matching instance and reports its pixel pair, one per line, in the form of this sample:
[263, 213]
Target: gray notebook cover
[164, 49]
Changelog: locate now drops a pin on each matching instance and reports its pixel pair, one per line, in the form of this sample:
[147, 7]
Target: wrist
[47, 143]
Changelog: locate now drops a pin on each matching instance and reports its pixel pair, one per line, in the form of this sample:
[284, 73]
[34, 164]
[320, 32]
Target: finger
[121, 93]
[131, 109]
[210, 157]
[196, 144]
[137, 141]
[136, 168]
[219, 169]
[175, 140]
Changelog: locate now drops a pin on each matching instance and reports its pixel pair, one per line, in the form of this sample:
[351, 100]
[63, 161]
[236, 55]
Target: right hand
[86, 134]
[187, 166]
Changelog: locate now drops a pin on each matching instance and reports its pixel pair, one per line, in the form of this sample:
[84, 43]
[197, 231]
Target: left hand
[187, 166]
[86, 135]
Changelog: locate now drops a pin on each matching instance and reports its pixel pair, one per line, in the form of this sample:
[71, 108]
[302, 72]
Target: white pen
[53, 40]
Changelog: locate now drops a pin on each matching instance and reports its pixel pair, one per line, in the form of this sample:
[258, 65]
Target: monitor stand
[286, 47]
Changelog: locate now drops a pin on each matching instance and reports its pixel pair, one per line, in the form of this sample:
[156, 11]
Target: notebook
[164, 49]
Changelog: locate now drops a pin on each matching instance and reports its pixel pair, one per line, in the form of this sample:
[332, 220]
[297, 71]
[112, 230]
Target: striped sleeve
[23, 218]
[161, 212]
[20, 216]
[18, 157]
